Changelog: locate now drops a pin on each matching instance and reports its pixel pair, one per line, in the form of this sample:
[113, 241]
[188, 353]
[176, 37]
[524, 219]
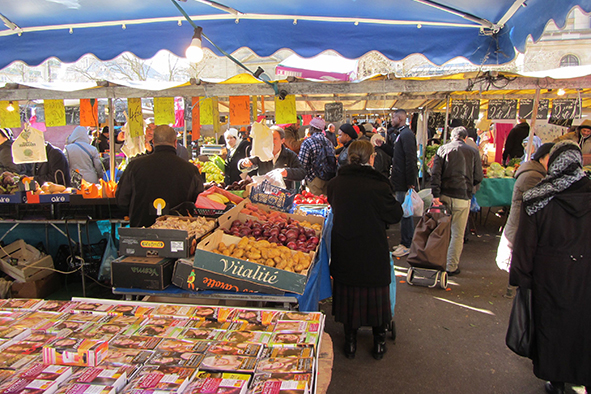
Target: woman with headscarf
[361, 275]
[82, 156]
[237, 150]
[552, 257]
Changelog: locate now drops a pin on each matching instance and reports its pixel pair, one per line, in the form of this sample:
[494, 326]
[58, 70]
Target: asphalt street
[447, 341]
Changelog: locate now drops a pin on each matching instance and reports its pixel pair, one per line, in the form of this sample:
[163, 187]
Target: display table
[495, 192]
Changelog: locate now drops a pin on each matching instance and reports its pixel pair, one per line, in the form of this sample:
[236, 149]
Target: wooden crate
[30, 262]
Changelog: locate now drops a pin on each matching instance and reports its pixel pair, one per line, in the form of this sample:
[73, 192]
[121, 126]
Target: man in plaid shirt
[309, 150]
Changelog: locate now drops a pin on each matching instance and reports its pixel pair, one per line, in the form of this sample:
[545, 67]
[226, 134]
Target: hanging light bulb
[194, 52]
[561, 92]
[10, 107]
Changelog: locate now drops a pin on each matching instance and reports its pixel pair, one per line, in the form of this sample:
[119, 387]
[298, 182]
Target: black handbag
[520, 334]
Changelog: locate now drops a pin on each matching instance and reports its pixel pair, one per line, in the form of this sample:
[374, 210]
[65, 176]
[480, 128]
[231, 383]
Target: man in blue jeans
[404, 175]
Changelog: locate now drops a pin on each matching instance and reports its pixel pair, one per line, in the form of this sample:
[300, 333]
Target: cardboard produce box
[160, 242]
[24, 262]
[188, 277]
[150, 273]
[39, 288]
[266, 277]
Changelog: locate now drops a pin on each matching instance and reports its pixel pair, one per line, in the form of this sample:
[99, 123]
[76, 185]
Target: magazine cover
[34, 321]
[217, 386]
[134, 342]
[12, 333]
[166, 321]
[286, 364]
[293, 339]
[82, 388]
[187, 359]
[75, 351]
[6, 374]
[204, 334]
[113, 328]
[247, 336]
[182, 346]
[101, 375]
[237, 349]
[24, 348]
[39, 336]
[93, 307]
[228, 363]
[122, 357]
[56, 306]
[16, 361]
[300, 351]
[304, 316]
[213, 324]
[247, 326]
[256, 316]
[124, 319]
[83, 317]
[66, 328]
[57, 373]
[131, 310]
[205, 312]
[176, 311]
[159, 330]
[297, 326]
[162, 377]
[21, 304]
[259, 379]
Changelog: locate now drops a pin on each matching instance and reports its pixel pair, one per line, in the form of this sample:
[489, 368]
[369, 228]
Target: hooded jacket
[82, 156]
[584, 143]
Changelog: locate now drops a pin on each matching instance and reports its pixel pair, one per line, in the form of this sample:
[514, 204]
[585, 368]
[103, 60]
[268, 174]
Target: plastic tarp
[68, 29]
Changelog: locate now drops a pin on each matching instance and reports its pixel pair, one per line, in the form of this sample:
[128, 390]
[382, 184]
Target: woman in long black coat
[238, 149]
[363, 203]
[552, 256]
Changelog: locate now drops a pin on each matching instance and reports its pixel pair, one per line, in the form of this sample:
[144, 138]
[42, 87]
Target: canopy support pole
[447, 104]
[534, 116]
[112, 152]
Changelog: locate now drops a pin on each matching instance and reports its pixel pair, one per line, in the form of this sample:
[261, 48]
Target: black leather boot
[350, 342]
[379, 342]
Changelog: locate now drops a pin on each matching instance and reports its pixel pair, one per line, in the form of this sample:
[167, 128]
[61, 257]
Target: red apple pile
[288, 233]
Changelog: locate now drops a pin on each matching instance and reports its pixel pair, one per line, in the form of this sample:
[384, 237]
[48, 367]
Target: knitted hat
[318, 123]
[542, 151]
[349, 130]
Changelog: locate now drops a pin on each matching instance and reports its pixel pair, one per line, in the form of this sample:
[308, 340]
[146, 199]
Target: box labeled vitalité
[134, 272]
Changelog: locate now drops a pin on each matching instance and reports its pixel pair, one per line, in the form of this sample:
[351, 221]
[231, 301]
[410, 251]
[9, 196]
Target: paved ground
[447, 341]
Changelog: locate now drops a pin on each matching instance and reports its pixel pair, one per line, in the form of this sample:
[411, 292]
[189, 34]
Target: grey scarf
[564, 169]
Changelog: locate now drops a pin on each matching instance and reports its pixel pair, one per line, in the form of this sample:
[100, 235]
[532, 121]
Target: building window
[569, 61]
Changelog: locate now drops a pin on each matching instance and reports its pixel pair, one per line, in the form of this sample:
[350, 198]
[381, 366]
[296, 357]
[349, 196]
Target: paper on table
[262, 141]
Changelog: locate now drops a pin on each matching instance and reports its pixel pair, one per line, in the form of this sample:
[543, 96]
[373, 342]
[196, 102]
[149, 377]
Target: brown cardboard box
[133, 272]
[40, 288]
[30, 262]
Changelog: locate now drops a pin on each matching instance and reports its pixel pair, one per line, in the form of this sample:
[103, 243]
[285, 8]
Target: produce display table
[495, 192]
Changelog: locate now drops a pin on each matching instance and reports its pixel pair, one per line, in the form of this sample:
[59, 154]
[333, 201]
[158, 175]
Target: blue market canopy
[482, 31]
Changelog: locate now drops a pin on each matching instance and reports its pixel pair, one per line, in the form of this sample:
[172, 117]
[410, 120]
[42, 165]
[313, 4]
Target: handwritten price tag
[206, 111]
[55, 113]
[285, 110]
[164, 110]
[239, 110]
[88, 112]
[135, 121]
[9, 118]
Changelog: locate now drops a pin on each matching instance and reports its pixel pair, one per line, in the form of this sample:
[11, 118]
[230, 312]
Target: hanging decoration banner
[88, 112]
[239, 110]
[55, 113]
[206, 111]
[164, 110]
[285, 110]
[8, 118]
[135, 120]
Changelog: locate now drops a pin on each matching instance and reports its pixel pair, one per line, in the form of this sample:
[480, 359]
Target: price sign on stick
[502, 109]
[333, 112]
[565, 108]
[135, 122]
[285, 110]
[159, 205]
[55, 113]
[465, 109]
[164, 110]
[239, 110]
[526, 108]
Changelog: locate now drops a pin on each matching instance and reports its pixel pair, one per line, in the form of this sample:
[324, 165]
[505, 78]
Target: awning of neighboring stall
[321, 67]
[482, 31]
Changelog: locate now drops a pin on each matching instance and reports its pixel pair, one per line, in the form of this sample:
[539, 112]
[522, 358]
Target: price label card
[465, 109]
[333, 112]
[565, 108]
[135, 122]
[88, 112]
[206, 111]
[239, 110]
[164, 110]
[55, 113]
[526, 108]
[502, 109]
[285, 110]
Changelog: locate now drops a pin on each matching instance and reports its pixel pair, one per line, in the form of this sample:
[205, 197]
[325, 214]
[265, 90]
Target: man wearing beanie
[347, 135]
[318, 158]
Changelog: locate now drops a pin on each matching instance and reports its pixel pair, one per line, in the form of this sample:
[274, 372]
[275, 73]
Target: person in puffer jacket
[82, 156]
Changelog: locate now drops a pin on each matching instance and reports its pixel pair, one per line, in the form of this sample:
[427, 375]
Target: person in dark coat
[55, 169]
[514, 142]
[552, 257]
[361, 295]
[284, 159]
[347, 135]
[404, 175]
[181, 151]
[238, 149]
[153, 184]
[382, 161]
[330, 134]
[6, 161]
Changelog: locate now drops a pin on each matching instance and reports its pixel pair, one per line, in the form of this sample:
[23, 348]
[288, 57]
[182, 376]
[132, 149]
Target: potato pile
[196, 227]
[265, 253]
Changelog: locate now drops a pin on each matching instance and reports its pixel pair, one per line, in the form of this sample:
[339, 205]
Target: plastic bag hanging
[29, 146]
